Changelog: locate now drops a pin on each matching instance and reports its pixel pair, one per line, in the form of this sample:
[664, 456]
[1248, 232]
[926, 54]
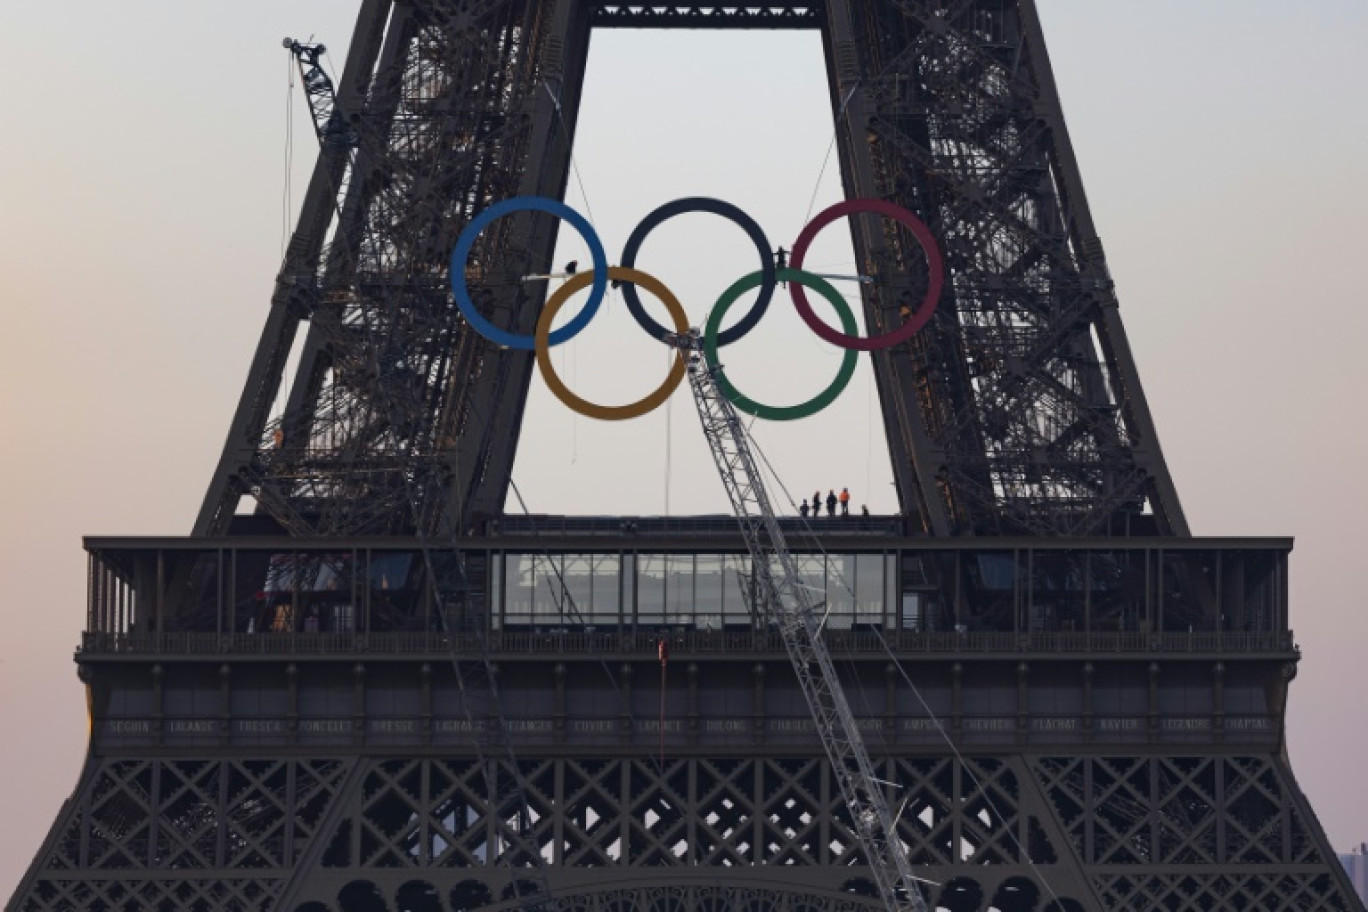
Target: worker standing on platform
[831, 502]
[845, 501]
[816, 503]
[803, 510]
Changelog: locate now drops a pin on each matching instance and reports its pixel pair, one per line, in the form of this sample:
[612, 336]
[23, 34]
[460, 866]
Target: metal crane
[788, 604]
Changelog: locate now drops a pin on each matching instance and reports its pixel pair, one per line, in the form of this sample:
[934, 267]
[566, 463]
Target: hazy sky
[142, 162]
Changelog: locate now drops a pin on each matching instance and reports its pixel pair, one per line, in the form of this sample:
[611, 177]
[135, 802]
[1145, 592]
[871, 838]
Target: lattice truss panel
[386, 391]
[1183, 892]
[184, 834]
[738, 814]
[190, 894]
[1016, 382]
[1177, 833]
[690, 812]
[1233, 822]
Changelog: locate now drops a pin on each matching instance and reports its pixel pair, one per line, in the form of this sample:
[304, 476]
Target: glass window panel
[869, 588]
[546, 591]
[891, 595]
[393, 602]
[709, 589]
[840, 598]
[679, 589]
[389, 570]
[496, 584]
[736, 591]
[518, 577]
[812, 573]
[651, 571]
[579, 576]
[913, 617]
[604, 609]
[629, 587]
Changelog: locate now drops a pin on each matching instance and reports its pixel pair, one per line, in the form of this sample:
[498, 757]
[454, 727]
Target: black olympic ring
[768, 279]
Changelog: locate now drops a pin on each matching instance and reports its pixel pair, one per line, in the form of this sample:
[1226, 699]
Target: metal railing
[683, 644]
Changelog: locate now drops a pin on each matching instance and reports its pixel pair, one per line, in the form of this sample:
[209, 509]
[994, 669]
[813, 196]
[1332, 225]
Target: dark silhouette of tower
[377, 691]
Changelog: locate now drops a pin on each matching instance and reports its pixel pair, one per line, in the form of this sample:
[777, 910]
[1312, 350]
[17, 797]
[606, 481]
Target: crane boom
[787, 602]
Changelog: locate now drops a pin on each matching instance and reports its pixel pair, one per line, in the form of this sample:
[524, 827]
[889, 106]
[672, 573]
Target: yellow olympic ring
[583, 406]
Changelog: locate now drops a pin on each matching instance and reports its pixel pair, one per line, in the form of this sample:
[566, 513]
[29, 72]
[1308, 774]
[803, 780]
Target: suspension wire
[589, 209]
[570, 148]
[286, 200]
[916, 691]
[817, 185]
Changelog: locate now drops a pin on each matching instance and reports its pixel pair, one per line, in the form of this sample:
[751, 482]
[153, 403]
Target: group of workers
[832, 500]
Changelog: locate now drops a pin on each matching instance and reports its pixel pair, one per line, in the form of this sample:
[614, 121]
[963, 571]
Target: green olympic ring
[778, 412]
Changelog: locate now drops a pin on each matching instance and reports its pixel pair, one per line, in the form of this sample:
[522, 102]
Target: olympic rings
[770, 412]
[935, 280]
[544, 334]
[460, 254]
[716, 207]
[766, 279]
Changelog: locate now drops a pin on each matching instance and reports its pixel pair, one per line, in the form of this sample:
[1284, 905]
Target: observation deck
[269, 640]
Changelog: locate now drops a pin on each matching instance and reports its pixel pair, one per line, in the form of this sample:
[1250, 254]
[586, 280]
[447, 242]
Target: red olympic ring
[935, 274]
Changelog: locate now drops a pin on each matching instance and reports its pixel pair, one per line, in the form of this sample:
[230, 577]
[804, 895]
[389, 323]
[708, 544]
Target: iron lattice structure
[1017, 411]
[1113, 690]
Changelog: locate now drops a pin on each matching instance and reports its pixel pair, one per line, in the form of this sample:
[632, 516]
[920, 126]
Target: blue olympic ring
[460, 255]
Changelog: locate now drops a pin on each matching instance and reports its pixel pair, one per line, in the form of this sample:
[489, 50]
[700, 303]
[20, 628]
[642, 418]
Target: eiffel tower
[375, 690]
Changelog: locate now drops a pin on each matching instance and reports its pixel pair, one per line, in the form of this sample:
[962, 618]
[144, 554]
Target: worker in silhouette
[816, 503]
[803, 510]
[845, 501]
[864, 510]
[831, 502]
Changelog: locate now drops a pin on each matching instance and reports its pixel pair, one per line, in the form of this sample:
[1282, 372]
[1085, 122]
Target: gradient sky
[142, 163]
